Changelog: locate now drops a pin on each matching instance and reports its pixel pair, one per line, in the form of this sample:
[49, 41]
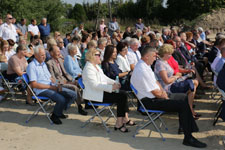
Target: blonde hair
[165, 49]
[92, 44]
[71, 47]
[90, 55]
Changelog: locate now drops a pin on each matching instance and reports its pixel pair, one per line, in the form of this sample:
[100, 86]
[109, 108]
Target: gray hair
[37, 49]
[44, 18]
[147, 49]
[102, 40]
[200, 29]
[71, 47]
[139, 30]
[133, 41]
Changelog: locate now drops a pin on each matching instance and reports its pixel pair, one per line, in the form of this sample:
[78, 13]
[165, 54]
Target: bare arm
[122, 74]
[166, 79]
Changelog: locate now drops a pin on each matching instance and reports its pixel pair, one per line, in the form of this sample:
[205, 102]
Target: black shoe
[120, 129]
[55, 119]
[194, 143]
[89, 106]
[63, 116]
[180, 131]
[82, 112]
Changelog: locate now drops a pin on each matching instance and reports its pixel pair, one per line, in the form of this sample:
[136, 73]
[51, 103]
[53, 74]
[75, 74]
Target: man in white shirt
[154, 97]
[133, 54]
[33, 28]
[8, 30]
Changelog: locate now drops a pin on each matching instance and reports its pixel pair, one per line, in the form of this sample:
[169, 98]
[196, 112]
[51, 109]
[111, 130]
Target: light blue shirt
[39, 73]
[202, 35]
[72, 67]
[220, 64]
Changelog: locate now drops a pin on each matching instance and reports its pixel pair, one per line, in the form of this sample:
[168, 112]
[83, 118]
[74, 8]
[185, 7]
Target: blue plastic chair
[152, 115]
[104, 106]
[37, 98]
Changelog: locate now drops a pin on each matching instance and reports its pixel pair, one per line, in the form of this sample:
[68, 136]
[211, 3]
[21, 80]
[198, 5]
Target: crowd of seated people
[100, 56]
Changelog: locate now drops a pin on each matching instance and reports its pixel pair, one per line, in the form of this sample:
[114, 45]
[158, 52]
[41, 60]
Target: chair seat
[100, 104]
[40, 97]
[152, 111]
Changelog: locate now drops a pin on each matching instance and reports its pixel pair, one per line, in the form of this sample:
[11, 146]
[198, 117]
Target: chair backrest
[133, 89]
[80, 82]
[25, 77]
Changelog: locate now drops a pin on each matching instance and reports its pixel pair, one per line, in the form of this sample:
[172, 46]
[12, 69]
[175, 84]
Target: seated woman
[17, 64]
[111, 69]
[4, 45]
[176, 61]
[10, 51]
[171, 82]
[91, 44]
[71, 64]
[99, 88]
[121, 59]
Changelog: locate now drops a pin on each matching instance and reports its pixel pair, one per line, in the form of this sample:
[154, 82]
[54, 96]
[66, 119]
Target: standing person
[78, 30]
[8, 30]
[113, 26]
[33, 29]
[102, 26]
[154, 97]
[22, 26]
[139, 24]
[44, 29]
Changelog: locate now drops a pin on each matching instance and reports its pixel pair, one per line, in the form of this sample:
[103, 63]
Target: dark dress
[112, 70]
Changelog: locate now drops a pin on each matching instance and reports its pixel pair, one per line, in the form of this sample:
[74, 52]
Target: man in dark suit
[215, 51]
[58, 72]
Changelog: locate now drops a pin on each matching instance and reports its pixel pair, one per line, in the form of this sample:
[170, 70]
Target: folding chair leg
[97, 113]
[217, 115]
[38, 110]
[151, 120]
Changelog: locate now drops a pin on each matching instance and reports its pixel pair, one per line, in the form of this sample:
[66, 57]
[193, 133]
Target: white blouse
[123, 63]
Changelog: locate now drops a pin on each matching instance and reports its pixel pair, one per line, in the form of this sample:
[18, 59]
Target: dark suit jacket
[212, 54]
[178, 57]
[55, 72]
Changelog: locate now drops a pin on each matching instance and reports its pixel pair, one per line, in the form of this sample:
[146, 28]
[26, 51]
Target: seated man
[43, 84]
[154, 97]
[58, 72]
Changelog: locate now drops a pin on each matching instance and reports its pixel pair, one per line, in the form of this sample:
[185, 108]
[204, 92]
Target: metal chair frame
[152, 115]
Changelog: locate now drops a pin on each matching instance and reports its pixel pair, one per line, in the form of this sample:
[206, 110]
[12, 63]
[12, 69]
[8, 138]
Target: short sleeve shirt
[161, 65]
[143, 79]
[34, 29]
[15, 62]
[132, 57]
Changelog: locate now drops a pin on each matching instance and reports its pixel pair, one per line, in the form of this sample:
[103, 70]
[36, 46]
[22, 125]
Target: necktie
[136, 56]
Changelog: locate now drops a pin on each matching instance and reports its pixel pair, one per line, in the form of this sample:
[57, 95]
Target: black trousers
[186, 119]
[120, 99]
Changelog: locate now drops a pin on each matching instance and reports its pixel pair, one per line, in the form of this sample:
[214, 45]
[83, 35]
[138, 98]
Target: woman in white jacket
[99, 88]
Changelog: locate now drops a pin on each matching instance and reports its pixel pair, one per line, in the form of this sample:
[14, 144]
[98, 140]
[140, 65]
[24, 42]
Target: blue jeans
[63, 99]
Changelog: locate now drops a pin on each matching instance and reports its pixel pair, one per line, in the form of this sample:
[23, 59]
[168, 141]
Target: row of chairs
[152, 115]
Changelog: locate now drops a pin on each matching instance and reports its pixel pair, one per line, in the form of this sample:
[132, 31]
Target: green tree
[78, 13]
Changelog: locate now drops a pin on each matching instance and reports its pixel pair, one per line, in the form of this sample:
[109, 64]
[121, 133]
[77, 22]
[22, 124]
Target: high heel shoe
[120, 129]
[130, 124]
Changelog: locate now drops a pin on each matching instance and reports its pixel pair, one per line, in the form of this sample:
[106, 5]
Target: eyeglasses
[97, 55]
[10, 18]
[60, 42]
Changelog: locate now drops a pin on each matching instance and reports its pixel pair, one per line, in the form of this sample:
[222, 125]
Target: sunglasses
[97, 55]
[10, 18]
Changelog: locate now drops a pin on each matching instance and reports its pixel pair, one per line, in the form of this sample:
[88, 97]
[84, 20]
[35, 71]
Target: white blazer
[95, 82]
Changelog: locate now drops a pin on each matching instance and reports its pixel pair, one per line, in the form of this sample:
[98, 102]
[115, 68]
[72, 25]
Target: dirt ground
[38, 134]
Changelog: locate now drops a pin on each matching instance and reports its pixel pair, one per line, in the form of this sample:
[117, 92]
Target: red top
[188, 46]
[173, 64]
